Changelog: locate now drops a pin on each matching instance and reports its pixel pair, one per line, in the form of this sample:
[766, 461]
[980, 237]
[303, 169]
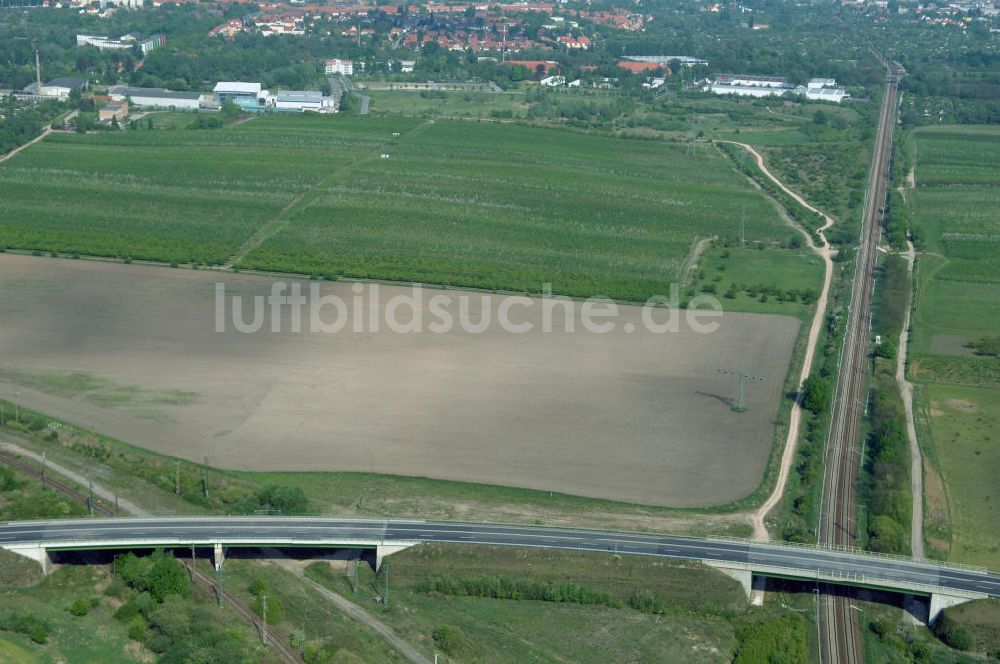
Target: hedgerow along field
[956, 218]
[465, 203]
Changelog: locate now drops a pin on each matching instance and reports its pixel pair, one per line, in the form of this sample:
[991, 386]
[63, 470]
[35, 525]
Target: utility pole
[177, 478]
[385, 595]
[263, 624]
[38, 72]
[193, 560]
[205, 480]
[17, 407]
[741, 381]
[218, 586]
[1, 414]
[90, 498]
[43, 468]
[743, 226]
[355, 587]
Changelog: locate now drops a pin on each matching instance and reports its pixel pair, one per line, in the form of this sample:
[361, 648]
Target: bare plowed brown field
[132, 352]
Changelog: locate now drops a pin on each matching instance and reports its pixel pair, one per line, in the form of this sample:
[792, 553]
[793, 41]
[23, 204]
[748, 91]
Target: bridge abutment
[742, 575]
[941, 601]
[383, 550]
[37, 553]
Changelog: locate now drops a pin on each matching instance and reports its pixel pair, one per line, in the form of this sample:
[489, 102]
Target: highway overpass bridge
[944, 584]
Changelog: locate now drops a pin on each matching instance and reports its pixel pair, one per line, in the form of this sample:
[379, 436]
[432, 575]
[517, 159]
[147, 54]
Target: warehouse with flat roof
[238, 92]
[157, 98]
[302, 100]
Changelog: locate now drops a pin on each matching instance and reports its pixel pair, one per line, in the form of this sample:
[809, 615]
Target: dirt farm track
[132, 351]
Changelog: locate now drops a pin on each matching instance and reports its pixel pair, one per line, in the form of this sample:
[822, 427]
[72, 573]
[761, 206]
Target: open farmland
[640, 417]
[513, 207]
[167, 195]
[463, 203]
[955, 209]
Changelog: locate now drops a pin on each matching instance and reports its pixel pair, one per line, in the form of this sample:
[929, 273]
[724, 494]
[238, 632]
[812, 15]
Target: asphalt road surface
[303, 531]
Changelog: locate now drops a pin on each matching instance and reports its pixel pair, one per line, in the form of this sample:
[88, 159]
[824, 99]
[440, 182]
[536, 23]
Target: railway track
[840, 636]
[284, 651]
[47, 480]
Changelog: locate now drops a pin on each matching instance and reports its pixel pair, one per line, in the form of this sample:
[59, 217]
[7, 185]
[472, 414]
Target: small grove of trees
[275, 498]
[159, 613]
[158, 574]
[888, 467]
[815, 393]
[776, 640]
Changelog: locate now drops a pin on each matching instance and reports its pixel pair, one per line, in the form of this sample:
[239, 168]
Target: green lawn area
[748, 274]
[697, 617]
[954, 210]
[303, 612]
[764, 137]
[92, 639]
[472, 104]
[962, 441]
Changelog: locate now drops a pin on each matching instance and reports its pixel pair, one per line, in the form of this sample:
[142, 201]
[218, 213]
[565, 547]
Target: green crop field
[456, 202]
[954, 209]
[171, 196]
[513, 207]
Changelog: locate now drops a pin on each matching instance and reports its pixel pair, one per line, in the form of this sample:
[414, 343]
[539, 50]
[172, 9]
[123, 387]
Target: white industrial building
[821, 83]
[553, 81]
[338, 66]
[742, 80]
[746, 90]
[158, 98]
[818, 89]
[57, 88]
[685, 60]
[302, 101]
[103, 42]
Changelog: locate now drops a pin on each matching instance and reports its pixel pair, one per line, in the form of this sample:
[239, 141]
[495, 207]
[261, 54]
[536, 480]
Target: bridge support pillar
[383, 550]
[941, 601]
[742, 575]
[37, 553]
[218, 556]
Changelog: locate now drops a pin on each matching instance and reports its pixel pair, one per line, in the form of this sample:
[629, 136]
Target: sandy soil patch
[962, 405]
[132, 351]
[935, 505]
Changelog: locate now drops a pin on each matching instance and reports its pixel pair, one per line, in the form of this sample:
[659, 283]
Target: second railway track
[840, 636]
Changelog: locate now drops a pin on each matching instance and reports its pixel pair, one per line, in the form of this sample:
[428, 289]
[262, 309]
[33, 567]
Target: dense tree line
[886, 483]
